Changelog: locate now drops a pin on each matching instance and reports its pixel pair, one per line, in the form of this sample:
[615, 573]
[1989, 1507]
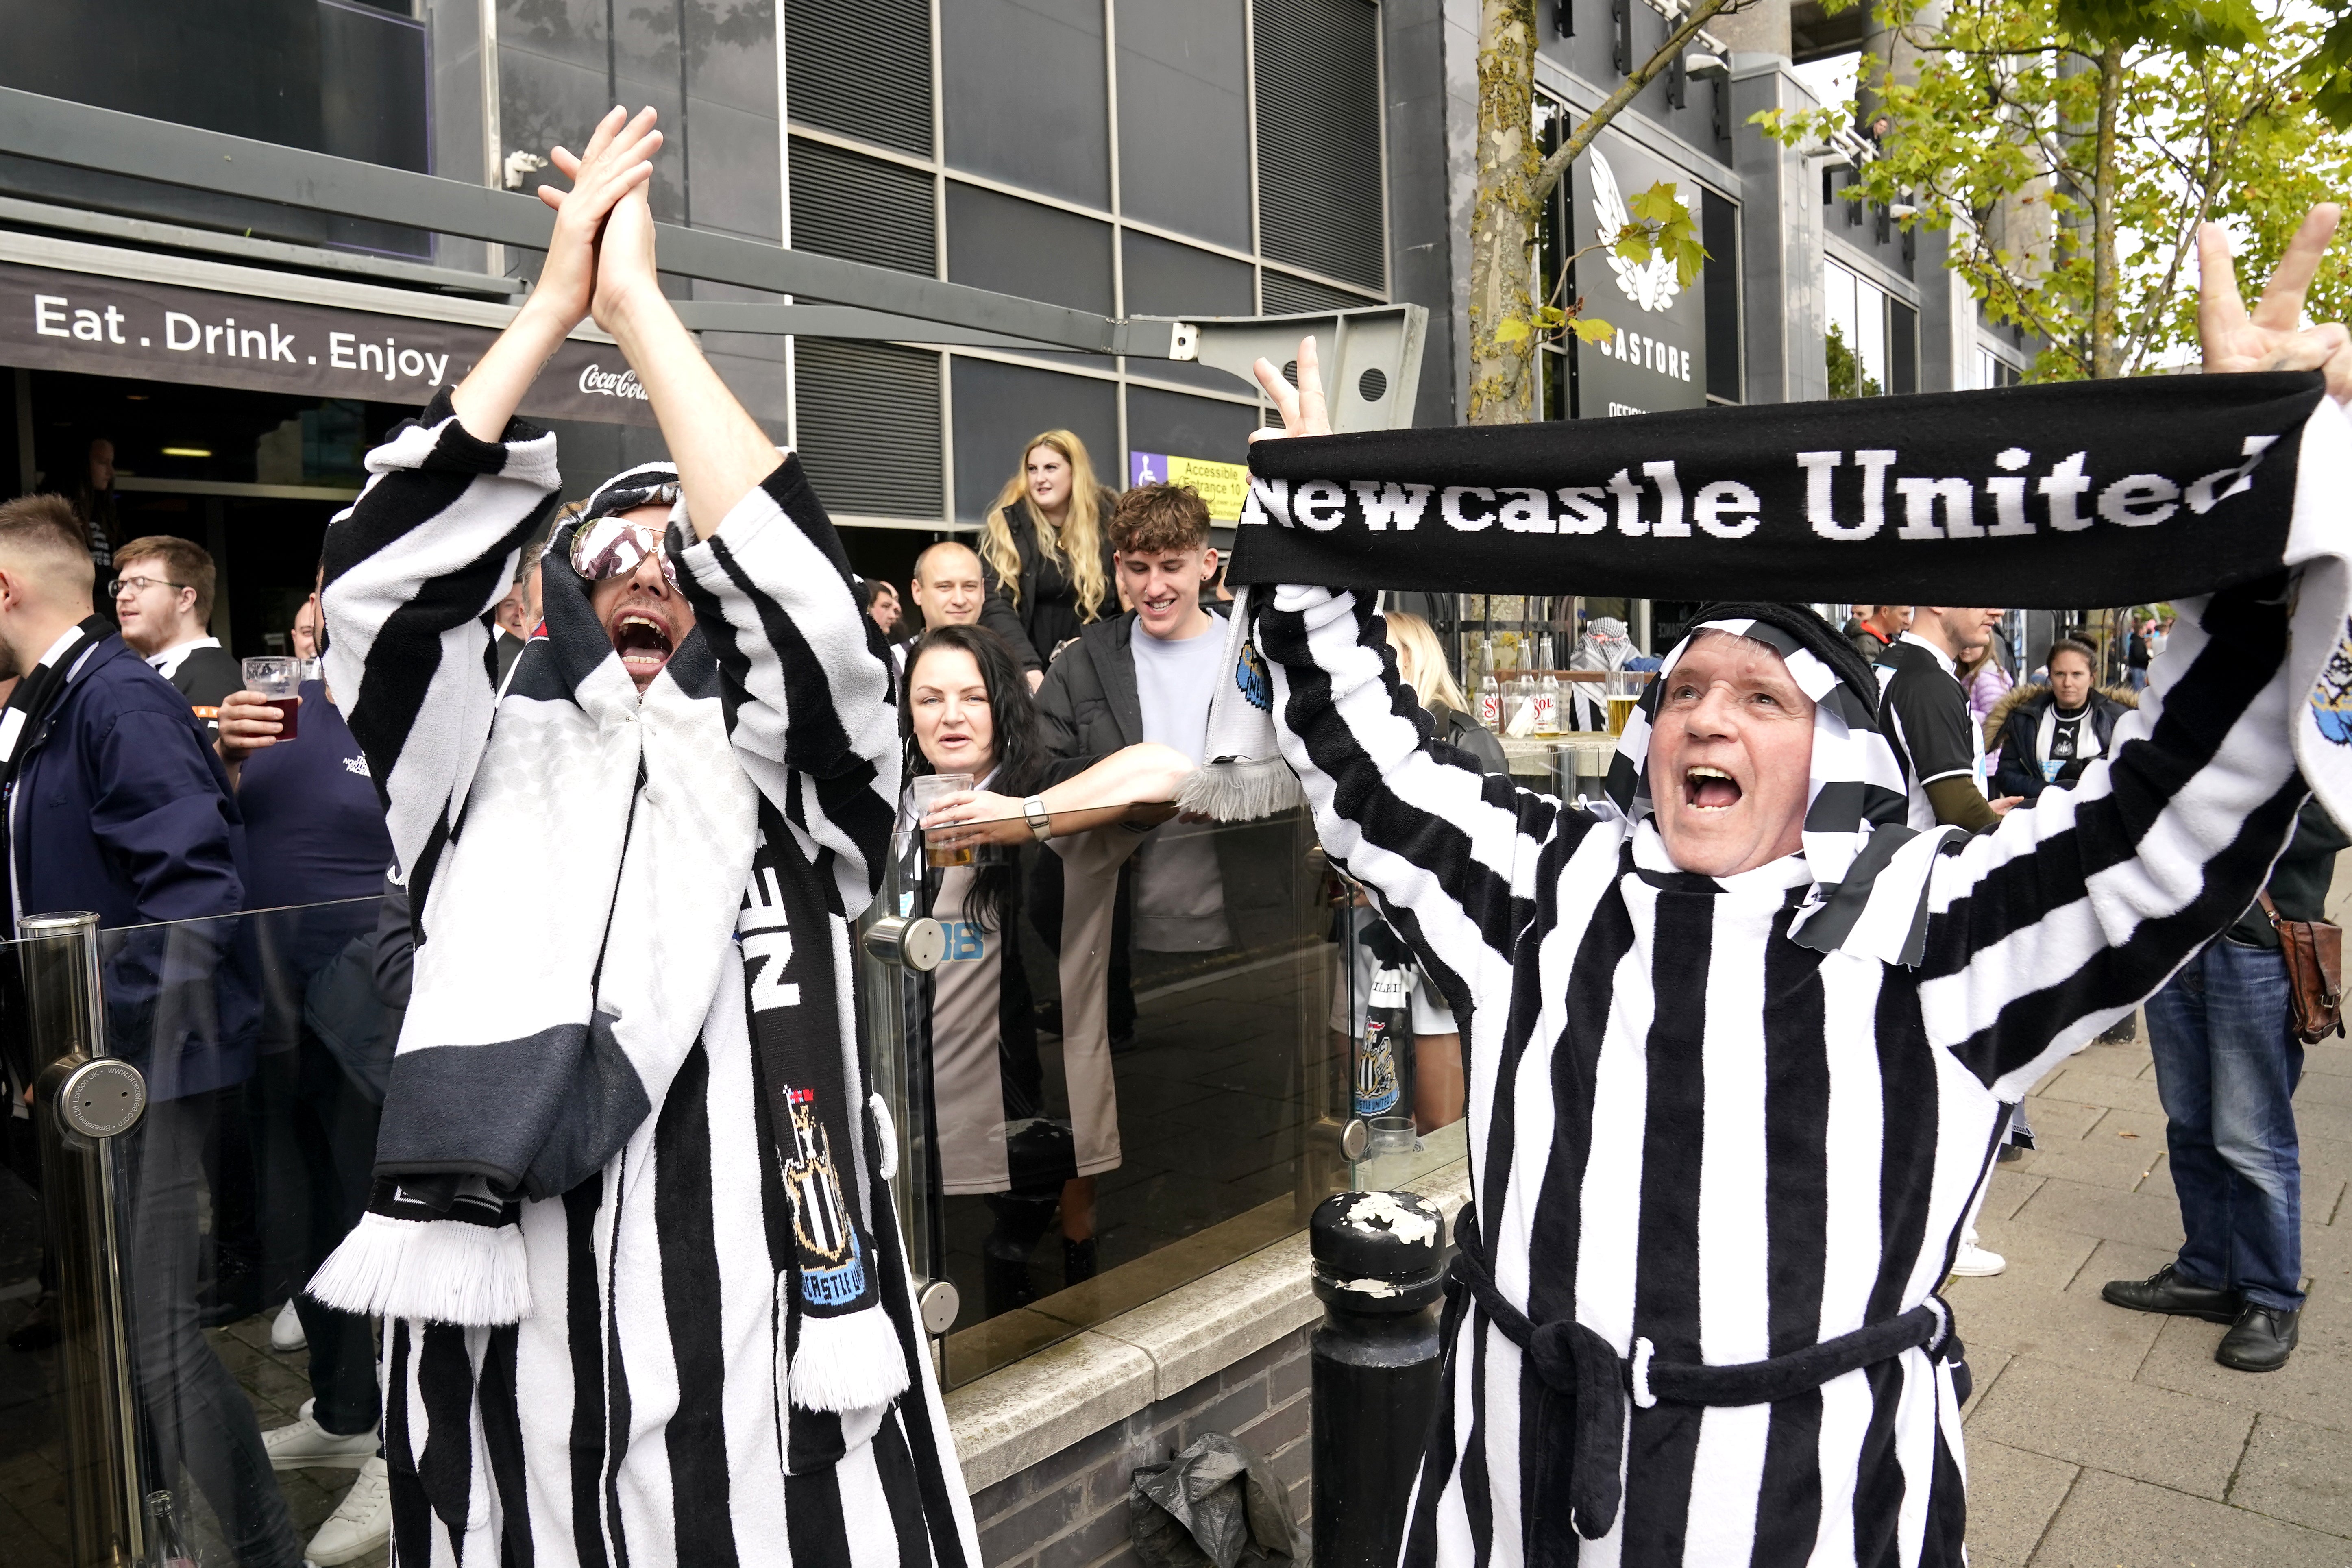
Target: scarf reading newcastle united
[442, 1241]
[2090, 494]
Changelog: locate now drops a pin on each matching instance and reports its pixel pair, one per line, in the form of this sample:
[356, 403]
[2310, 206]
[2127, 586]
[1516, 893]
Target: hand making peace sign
[2272, 337]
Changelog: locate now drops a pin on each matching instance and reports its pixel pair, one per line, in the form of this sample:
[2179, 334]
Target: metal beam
[57, 132]
[178, 236]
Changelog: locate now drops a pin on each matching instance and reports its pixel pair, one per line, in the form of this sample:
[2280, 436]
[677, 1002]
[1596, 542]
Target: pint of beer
[1620, 710]
[926, 791]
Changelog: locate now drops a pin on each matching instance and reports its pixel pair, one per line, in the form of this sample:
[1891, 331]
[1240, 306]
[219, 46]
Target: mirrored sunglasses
[613, 546]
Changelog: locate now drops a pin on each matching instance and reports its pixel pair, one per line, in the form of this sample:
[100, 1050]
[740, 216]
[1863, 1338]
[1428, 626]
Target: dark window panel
[1184, 116]
[645, 71]
[999, 408]
[1720, 232]
[1901, 347]
[861, 209]
[999, 242]
[1164, 279]
[862, 70]
[730, 161]
[315, 74]
[1177, 426]
[1027, 96]
[869, 427]
[554, 79]
[1319, 137]
[1286, 295]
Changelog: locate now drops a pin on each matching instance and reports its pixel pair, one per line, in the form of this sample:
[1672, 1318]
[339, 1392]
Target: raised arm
[806, 678]
[431, 543]
[2079, 906]
[1452, 855]
[2076, 908]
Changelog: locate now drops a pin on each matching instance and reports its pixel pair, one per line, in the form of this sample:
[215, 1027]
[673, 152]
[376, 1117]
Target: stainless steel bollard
[1374, 1368]
[82, 1097]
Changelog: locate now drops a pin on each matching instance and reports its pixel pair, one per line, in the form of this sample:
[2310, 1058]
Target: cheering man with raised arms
[1739, 1042]
[645, 1298]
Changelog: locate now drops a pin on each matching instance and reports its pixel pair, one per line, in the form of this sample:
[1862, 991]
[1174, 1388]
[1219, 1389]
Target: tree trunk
[2105, 360]
[1503, 338]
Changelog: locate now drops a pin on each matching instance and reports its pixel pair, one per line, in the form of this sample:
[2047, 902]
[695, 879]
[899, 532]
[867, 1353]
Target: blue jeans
[2226, 1068]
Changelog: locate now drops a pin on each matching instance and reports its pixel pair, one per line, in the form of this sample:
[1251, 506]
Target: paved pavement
[2102, 1438]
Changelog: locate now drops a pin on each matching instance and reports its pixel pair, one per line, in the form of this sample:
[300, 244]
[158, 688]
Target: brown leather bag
[2315, 972]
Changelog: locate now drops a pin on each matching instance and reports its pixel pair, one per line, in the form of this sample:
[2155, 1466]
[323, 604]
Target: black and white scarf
[38, 692]
[635, 807]
[2084, 494]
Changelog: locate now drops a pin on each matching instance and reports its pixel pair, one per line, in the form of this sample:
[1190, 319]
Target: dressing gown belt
[1576, 1364]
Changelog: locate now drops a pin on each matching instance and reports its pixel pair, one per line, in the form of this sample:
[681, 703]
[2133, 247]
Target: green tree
[1847, 377]
[2073, 147]
[1507, 323]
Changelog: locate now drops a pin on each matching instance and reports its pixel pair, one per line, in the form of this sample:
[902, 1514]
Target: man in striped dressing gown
[1697, 1143]
[598, 1356]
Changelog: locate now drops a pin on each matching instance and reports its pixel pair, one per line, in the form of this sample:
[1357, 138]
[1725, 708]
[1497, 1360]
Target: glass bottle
[1490, 704]
[167, 1547]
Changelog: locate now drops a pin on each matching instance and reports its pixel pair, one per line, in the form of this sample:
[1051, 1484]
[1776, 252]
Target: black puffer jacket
[1048, 613]
[2015, 726]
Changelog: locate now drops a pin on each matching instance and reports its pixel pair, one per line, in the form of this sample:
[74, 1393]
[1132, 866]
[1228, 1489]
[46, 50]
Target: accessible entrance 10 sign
[1221, 485]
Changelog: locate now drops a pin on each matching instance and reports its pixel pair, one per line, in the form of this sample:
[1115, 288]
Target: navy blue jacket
[121, 808]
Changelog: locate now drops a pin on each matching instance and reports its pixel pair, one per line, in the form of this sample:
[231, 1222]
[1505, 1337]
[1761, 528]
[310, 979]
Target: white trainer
[286, 1335]
[361, 1523]
[304, 1444]
[1976, 1262]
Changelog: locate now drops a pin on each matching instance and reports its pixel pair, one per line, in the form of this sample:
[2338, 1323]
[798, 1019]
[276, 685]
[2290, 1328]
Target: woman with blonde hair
[1421, 662]
[1045, 557]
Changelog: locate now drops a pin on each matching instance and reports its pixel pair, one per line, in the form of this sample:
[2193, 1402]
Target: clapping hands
[602, 246]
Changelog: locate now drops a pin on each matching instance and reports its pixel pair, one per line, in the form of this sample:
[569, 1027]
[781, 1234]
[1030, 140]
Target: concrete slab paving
[2130, 1428]
[2144, 1218]
[2297, 1472]
[2102, 1438]
[2012, 1497]
[2109, 1521]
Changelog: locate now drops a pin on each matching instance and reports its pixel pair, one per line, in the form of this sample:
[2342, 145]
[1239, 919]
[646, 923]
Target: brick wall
[1069, 1509]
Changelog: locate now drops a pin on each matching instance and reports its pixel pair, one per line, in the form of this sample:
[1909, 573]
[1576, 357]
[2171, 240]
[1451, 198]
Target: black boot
[2165, 1291]
[1077, 1260]
[2260, 1340]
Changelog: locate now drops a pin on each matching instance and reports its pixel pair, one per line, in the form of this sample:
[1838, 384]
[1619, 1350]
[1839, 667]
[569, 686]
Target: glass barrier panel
[265, 1041]
[1132, 1078]
[1406, 1082]
[889, 988]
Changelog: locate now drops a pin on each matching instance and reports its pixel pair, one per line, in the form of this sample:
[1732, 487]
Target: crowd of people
[671, 718]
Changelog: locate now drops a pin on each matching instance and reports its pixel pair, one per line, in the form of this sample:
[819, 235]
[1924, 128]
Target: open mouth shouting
[1711, 789]
[644, 638]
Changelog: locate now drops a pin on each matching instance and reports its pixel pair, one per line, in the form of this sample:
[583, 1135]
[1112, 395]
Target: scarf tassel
[852, 1361]
[1245, 777]
[441, 1271]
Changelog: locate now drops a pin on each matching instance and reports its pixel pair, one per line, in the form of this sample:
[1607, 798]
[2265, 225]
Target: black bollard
[1378, 1269]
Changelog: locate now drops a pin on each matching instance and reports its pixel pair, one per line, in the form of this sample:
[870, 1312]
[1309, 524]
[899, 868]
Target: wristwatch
[1033, 808]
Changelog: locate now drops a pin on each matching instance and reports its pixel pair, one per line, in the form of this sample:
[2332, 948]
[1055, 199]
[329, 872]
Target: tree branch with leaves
[1506, 324]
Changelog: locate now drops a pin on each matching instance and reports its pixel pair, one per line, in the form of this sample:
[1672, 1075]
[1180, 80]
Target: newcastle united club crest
[832, 1264]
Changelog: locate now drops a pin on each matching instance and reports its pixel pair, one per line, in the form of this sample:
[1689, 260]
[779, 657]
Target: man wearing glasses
[162, 596]
[631, 1231]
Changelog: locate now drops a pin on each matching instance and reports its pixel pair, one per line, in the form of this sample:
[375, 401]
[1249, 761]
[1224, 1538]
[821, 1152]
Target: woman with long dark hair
[967, 711]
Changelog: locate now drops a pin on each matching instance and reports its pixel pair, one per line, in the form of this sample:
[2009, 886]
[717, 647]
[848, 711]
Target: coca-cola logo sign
[600, 382]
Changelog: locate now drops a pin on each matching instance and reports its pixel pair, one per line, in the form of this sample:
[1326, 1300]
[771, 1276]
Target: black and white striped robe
[634, 1416]
[1686, 1127]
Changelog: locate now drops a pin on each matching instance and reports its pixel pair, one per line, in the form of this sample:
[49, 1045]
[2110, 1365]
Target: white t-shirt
[1180, 899]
